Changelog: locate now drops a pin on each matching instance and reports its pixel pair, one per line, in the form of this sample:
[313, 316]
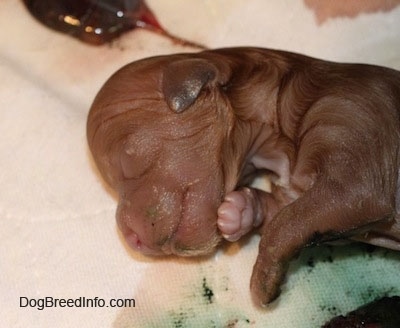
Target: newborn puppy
[180, 137]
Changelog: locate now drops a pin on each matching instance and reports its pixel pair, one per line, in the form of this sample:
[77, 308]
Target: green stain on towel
[340, 279]
[208, 294]
[200, 308]
[322, 283]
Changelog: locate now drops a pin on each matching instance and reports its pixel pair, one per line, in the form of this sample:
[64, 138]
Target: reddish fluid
[98, 21]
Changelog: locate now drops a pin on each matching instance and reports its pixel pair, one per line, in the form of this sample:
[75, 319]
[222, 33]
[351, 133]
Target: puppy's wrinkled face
[158, 142]
[169, 193]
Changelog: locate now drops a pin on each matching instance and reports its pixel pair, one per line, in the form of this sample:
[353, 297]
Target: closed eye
[134, 166]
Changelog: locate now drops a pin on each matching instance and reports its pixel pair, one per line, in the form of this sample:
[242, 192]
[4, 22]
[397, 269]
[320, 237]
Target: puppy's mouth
[166, 244]
[173, 222]
[133, 241]
[169, 247]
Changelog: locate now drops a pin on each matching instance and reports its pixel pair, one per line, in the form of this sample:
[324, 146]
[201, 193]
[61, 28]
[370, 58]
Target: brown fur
[327, 134]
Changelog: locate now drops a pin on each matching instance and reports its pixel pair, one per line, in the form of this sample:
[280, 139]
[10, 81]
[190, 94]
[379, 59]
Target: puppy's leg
[327, 211]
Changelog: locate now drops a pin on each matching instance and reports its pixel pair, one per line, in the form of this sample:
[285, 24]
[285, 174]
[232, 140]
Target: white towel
[58, 237]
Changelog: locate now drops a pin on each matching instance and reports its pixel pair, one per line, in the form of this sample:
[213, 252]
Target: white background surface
[58, 236]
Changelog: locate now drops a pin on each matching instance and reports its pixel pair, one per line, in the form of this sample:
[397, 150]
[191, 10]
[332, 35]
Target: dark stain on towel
[208, 294]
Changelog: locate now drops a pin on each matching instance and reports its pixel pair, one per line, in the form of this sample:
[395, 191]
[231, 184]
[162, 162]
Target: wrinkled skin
[179, 138]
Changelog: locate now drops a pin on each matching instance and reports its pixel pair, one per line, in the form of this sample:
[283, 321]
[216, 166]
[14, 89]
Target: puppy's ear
[183, 81]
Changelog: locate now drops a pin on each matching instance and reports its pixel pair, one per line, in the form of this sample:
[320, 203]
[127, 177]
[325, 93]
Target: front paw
[265, 282]
[238, 214]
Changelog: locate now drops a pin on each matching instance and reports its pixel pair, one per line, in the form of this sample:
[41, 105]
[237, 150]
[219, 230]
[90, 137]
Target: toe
[229, 218]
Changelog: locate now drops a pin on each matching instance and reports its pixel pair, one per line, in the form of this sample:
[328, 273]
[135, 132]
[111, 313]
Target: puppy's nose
[134, 242]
